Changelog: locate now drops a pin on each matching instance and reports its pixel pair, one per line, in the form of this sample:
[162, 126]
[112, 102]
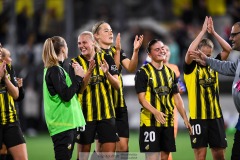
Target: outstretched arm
[225, 46]
[131, 65]
[193, 46]
[118, 50]
[227, 68]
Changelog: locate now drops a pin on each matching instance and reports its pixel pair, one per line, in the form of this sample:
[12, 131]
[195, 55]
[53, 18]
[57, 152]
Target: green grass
[41, 147]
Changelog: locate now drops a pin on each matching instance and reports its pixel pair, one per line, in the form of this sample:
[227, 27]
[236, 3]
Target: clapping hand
[104, 66]
[118, 42]
[138, 42]
[92, 65]
[78, 70]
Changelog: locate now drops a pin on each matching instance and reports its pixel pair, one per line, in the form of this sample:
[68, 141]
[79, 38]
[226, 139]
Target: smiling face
[235, 37]
[104, 35]
[86, 45]
[157, 52]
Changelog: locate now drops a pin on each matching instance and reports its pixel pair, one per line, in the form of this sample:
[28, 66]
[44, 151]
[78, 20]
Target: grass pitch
[41, 147]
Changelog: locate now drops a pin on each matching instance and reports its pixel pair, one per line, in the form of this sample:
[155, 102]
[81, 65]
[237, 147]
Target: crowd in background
[25, 24]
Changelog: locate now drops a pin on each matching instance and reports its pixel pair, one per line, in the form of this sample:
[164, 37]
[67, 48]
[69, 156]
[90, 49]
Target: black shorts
[64, 144]
[157, 139]
[11, 135]
[122, 122]
[105, 130]
[236, 146]
[208, 132]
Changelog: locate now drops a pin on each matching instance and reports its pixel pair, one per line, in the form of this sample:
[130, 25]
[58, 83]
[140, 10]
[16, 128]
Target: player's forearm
[113, 79]
[12, 90]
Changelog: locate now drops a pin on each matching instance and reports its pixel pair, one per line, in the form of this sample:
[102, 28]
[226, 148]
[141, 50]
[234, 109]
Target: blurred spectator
[24, 11]
[216, 7]
[234, 10]
[22, 26]
[50, 25]
[3, 27]
[174, 50]
[180, 34]
[52, 19]
[200, 10]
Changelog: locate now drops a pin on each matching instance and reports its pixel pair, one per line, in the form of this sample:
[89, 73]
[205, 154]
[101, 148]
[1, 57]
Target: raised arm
[193, 46]
[225, 46]
[131, 65]
[118, 50]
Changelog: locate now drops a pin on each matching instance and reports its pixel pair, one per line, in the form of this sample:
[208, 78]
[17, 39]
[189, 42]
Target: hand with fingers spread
[159, 116]
[104, 66]
[138, 42]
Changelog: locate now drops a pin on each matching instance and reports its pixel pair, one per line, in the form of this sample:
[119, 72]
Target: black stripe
[198, 96]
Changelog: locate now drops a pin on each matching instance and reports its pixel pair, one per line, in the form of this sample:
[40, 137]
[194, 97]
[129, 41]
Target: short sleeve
[141, 81]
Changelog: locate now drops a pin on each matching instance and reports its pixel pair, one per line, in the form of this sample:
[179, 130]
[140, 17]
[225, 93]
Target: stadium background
[25, 24]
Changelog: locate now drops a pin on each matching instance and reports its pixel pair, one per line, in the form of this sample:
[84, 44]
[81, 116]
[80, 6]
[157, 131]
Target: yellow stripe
[191, 79]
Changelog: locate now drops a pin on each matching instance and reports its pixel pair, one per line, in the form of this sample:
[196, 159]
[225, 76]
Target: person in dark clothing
[62, 110]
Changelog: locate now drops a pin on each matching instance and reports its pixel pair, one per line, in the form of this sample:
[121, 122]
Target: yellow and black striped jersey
[118, 97]
[8, 113]
[159, 87]
[96, 100]
[203, 91]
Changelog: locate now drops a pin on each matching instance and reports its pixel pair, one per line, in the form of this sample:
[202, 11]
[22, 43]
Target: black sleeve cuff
[79, 79]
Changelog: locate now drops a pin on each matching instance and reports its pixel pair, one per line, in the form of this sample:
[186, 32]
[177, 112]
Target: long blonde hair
[51, 50]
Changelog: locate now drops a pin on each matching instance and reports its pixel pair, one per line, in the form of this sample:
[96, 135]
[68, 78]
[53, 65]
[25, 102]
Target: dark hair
[96, 26]
[152, 42]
